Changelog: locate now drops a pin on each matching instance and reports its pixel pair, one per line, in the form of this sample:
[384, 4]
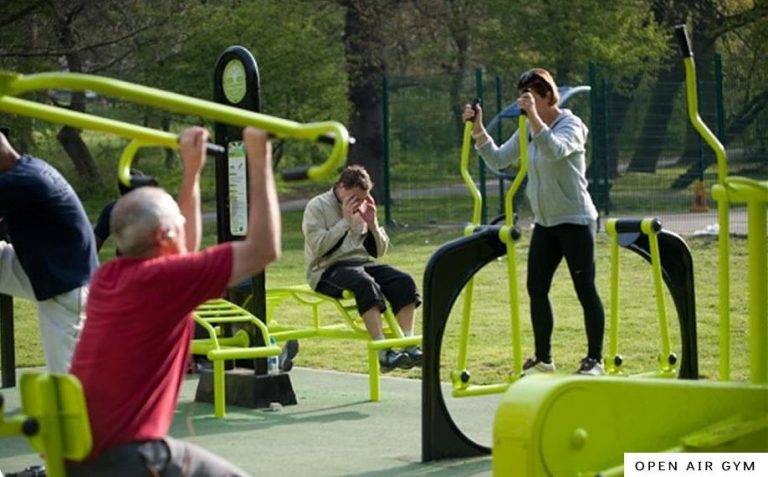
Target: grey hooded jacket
[557, 183]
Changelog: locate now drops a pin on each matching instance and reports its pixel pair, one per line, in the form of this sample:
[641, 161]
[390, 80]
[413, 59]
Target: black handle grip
[142, 181]
[325, 139]
[634, 225]
[522, 111]
[682, 39]
[475, 102]
[514, 232]
[296, 173]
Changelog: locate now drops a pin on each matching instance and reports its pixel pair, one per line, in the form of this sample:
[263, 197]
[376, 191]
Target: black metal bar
[7, 342]
[7, 338]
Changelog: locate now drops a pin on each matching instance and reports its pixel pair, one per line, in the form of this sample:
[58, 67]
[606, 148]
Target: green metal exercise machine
[539, 429]
[13, 85]
[508, 235]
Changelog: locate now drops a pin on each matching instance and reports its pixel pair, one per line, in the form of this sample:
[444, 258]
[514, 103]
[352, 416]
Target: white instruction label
[238, 189]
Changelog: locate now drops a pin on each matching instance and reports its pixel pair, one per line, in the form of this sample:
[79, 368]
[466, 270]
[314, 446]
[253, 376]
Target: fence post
[481, 164]
[7, 339]
[499, 140]
[719, 106]
[606, 168]
[385, 133]
[594, 126]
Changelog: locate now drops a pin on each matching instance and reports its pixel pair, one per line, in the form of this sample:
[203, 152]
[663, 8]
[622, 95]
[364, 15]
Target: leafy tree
[80, 37]
[740, 33]
[710, 19]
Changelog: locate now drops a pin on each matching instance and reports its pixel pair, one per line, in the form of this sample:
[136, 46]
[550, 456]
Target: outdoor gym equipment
[539, 429]
[53, 418]
[212, 316]
[449, 270]
[14, 84]
[460, 376]
[347, 326]
[671, 261]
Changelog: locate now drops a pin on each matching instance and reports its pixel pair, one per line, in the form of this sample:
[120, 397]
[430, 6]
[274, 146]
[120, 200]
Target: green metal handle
[693, 106]
[522, 170]
[14, 84]
[464, 167]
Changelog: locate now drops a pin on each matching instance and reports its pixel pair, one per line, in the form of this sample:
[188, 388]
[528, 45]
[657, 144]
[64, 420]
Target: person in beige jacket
[342, 239]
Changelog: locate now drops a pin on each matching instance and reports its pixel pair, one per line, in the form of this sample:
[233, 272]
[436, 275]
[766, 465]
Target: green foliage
[563, 36]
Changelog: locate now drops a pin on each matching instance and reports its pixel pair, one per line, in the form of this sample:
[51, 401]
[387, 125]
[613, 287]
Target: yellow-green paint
[737, 190]
[57, 404]
[506, 236]
[477, 199]
[14, 84]
[723, 207]
[350, 326]
[665, 367]
[211, 315]
[611, 367]
[540, 427]
[460, 375]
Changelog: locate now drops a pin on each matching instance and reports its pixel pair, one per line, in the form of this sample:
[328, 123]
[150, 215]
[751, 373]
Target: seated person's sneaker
[536, 366]
[591, 367]
[290, 350]
[392, 359]
[416, 356]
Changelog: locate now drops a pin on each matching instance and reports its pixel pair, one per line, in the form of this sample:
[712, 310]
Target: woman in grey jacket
[565, 219]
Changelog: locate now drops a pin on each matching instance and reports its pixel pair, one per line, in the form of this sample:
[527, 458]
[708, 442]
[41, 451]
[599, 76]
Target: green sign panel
[233, 81]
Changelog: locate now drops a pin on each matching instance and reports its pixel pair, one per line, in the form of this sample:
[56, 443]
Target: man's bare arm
[262, 241]
[192, 149]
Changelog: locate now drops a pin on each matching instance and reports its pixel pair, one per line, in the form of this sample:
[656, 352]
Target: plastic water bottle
[273, 362]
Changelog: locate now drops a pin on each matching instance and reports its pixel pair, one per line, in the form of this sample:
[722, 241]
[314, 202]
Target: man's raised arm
[262, 241]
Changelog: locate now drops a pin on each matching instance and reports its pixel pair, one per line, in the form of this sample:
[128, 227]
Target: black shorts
[371, 283]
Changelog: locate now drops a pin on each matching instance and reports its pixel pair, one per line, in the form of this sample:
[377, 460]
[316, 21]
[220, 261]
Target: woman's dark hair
[539, 81]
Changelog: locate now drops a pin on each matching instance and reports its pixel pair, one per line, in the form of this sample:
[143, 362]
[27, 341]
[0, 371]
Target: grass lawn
[489, 346]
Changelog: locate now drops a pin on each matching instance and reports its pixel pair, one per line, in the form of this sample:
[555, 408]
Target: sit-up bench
[347, 325]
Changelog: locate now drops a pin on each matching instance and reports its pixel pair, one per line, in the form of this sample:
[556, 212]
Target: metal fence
[644, 157]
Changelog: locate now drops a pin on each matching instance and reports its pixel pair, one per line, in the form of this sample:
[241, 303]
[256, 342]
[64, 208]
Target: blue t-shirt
[50, 232]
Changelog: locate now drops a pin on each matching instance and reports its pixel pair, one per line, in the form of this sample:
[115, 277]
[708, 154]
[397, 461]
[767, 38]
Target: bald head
[138, 217]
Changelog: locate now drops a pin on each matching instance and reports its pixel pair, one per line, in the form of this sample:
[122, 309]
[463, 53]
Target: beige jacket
[329, 239]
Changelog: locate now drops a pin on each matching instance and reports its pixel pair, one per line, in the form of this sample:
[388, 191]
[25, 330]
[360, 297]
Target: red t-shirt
[133, 348]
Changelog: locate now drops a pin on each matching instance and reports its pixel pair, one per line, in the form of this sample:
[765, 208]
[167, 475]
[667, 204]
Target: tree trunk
[735, 128]
[365, 65]
[77, 150]
[69, 137]
[660, 108]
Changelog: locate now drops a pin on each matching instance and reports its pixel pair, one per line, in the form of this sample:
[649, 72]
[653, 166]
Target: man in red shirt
[133, 349]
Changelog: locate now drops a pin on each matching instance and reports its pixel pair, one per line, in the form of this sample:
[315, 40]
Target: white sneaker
[591, 367]
[536, 366]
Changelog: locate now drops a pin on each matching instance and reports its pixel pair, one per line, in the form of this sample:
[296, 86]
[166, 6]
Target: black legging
[548, 247]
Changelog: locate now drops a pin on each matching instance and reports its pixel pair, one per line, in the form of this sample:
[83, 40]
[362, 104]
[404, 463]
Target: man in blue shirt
[53, 252]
